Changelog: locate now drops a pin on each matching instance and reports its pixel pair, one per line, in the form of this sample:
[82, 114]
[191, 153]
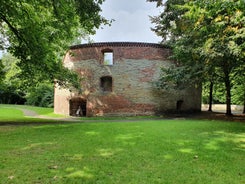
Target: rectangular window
[106, 83]
[108, 58]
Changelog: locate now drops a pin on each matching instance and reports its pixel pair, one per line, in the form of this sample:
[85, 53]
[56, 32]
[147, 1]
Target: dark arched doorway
[78, 107]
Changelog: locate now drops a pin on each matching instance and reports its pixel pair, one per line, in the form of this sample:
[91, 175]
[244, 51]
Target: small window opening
[108, 58]
[106, 83]
[179, 105]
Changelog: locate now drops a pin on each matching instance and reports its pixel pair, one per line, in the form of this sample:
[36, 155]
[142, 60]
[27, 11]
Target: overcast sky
[131, 23]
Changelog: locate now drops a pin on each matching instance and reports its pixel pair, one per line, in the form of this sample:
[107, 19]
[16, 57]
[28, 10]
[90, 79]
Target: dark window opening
[106, 84]
[179, 105]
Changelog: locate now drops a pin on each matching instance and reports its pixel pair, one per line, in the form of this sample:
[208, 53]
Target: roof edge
[119, 44]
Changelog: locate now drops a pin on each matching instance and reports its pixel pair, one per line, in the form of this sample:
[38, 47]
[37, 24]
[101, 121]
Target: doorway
[78, 107]
[179, 105]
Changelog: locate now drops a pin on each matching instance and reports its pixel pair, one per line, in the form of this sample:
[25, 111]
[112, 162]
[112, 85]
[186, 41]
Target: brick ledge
[118, 44]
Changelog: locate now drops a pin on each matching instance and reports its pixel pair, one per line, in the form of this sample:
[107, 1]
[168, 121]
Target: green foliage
[42, 95]
[2, 73]
[218, 93]
[11, 95]
[12, 71]
[170, 20]
[11, 89]
[14, 91]
[238, 89]
[38, 33]
[206, 36]
[239, 94]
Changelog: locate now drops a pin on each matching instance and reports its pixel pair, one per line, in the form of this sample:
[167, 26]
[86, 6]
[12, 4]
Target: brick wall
[136, 67]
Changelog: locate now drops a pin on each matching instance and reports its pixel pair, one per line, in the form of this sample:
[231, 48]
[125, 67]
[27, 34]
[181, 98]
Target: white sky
[131, 23]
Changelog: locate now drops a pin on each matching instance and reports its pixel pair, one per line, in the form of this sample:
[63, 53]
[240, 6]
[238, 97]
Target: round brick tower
[118, 79]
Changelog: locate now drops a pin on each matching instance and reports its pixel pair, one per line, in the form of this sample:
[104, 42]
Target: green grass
[13, 113]
[8, 114]
[112, 118]
[39, 110]
[42, 111]
[156, 151]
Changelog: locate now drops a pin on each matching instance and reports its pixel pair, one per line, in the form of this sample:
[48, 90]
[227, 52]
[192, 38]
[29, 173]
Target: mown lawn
[14, 114]
[144, 152]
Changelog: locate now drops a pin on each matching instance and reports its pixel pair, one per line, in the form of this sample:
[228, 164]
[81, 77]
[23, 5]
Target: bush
[42, 96]
[11, 95]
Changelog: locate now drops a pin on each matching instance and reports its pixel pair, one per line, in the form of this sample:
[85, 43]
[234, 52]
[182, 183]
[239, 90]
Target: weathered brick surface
[136, 67]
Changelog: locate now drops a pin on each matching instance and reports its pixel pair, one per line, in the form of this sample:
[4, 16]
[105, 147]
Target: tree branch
[12, 28]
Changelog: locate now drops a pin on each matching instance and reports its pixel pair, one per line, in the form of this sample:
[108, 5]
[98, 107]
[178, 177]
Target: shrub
[42, 96]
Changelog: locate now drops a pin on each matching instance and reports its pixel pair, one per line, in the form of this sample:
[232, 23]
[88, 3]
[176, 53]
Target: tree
[38, 33]
[41, 95]
[207, 36]
[2, 73]
[239, 88]
[11, 88]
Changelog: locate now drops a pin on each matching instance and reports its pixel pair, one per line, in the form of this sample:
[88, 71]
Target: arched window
[106, 83]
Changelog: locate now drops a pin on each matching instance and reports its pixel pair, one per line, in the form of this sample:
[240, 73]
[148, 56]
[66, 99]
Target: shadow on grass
[170, 151]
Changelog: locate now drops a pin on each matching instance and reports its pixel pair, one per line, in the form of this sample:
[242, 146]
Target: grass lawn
[14, 114]
[160, 151]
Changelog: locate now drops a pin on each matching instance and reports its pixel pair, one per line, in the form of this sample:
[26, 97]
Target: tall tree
[239, 87]
[2, 72]
[11, 90]
[38, 33]
[206, 36]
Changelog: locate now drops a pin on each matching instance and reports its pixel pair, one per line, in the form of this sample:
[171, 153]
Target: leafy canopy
[207, 37]
[38, 33]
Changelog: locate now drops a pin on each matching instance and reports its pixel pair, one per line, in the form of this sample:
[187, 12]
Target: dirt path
[28, 112]
[33, 114]
[202, 115]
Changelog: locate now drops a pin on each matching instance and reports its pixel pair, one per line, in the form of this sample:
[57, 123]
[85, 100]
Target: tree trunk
[244, 108]
[227, 69]
[244, 103]
[210, 95]
[228, 94]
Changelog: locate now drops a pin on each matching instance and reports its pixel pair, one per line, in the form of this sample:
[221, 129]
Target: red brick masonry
[136, 66]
